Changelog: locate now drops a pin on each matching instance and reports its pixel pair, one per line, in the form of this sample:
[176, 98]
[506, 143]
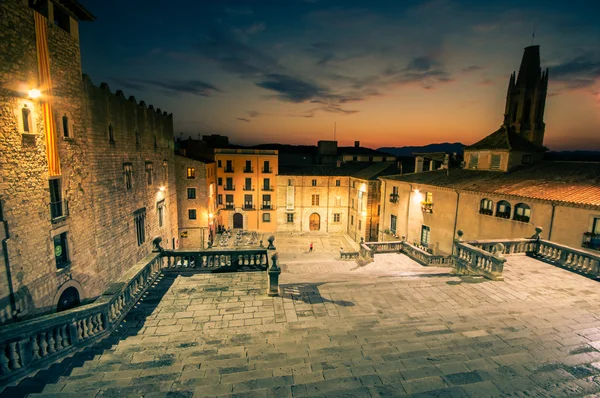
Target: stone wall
[193, 234]
[101, 237]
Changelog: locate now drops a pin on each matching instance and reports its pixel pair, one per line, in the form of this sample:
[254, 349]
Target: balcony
[266, 207]
[521, 218]
[394, 197]
[249, 188]
[591, 241]
[427, 207]
[59, 210]
[228, 170]
[249, 206]
[486, 212]
[267, 171]
[229, 188]
[248, 170]
[267, 188]
[229, 206]
[505, 215]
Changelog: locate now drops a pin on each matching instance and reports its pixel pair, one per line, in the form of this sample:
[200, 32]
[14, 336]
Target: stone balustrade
[511, 246]
[426, 258]
[568, 257]
[385, 247]
[216, 260]
[349, 255]
[32, 344]
[471, 260]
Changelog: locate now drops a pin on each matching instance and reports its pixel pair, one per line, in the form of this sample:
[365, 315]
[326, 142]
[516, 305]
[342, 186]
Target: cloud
[243, 119]
[291, 89]
[255, 28]
[172, 87]
[472, 68]
[580, 72]
[253, 113]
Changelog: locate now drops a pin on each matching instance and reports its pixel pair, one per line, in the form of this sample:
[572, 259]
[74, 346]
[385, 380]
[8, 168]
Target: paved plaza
[390, 328]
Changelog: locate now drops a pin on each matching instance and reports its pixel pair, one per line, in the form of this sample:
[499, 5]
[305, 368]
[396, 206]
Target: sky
[385, 73]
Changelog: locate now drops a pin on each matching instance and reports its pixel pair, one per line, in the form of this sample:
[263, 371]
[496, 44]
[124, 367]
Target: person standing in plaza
[310, 248]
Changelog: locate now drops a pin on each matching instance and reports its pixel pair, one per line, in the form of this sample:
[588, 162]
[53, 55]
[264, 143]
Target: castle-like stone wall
[100, 228]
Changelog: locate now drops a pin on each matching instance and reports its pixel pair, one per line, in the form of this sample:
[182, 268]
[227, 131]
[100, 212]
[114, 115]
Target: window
[473, 160]
[360, 225]
[248, 168]
[62, 20]
[290, 183]
[229, 166]
[596, 226]
[425, 230]
[353, 184]
[351, 220]
[61, 254]
[266, 202]
[337, 183]
[522, 212]
[192, 214]
[526, 159]
[591, 239]
[266, 184]
[503, 209]
[266, 217]
[191, 193]
[314, 183]
[353, 203]
[229, 184]
[315, 200]
[229, 202]
[139, 218]
[429, 197]
[160, 209]
[248, 202]
[58, 209]
[111, 133]
[248, 184]
[220, 181]
[219, 163]
[65, 126]
[486, 207]
[393, 220]
[137, 137]
[128, 173]
[394, 195]
[495, 162]
[191, 172]
[336, 217]
[378, 210]
[266, 167]
[290, 217]
[219, 199]
[26, 116]
[149, 173]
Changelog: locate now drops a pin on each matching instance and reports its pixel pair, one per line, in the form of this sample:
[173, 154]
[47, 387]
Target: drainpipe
[327, 206]
[11, 291]
[455, 219]
[408, 209]
[382, 200]
[551, 221]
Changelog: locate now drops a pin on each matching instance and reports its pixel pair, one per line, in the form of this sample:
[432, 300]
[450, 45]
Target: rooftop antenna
[533, 35]
[334, 128]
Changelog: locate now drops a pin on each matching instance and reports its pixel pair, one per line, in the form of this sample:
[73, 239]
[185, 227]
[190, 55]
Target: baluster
[4, 369]
[58, 339]
[35, 348]
[51, 349]
[82, 330]
[43, 344]
[586, 264]
[100, 322]
[169, 261]
[13, 355]
[64, 336]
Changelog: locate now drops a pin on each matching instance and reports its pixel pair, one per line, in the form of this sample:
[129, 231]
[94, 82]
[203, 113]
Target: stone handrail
[349, 255]
[32, 344]
[511, 246]
[393, 246]
[469, 259]
[568, 257]
[366, 252]
[425, 258]
[216, 260]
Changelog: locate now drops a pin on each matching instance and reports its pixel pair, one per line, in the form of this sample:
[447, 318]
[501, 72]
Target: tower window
[139, 218]
[26, 115]
[65, 126]
[192, 214]
[314, 183]
[191, 172]
[128, 174]
[61, 19]
[111, 133]
[61, 254]
[337, 183]
[149, 173]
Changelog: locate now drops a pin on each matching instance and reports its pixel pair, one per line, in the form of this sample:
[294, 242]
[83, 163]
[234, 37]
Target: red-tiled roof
[506, 138]
[568, 182]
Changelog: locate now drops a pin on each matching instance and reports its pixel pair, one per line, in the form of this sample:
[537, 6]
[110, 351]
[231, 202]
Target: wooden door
[314, 222]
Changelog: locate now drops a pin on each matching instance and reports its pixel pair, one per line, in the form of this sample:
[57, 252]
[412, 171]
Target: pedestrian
[310, 247]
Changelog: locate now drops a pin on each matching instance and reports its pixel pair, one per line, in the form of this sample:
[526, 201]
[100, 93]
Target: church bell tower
[526, 98]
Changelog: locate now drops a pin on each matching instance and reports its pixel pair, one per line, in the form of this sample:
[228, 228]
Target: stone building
[86, 176]
[246, 188]
[503, 189]
[196, 188]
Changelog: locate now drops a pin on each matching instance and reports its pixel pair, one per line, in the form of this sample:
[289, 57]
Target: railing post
[274, 272]
[537, 237]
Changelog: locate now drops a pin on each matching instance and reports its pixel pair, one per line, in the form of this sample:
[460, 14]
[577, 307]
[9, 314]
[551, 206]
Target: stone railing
[30, 345]
[216, 260]
[568, 257]
[471, 260]
[510, 246]
[349, 255]
[366, 252]
[385, 247]
[425, 258]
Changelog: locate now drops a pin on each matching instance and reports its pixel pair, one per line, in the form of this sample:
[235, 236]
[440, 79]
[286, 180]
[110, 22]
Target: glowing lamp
[34, 93]
[417, 191]
[210, 215]
[364, 213]
[162, 189]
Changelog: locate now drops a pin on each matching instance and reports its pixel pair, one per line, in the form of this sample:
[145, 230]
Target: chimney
[356, 144]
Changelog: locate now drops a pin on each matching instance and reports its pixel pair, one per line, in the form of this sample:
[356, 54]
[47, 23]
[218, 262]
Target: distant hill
[408, 150]
[573, 156]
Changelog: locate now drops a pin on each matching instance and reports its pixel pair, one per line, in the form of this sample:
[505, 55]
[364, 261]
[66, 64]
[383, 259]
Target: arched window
[111, 133]
[65, 125]
[486, 207]
[26, 115]
[522, 212]
[503, 209]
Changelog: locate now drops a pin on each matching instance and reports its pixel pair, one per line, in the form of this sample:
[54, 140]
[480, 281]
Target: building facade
[86, 176]
[246, 188]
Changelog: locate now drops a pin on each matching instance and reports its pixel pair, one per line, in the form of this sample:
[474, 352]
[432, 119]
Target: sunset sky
[388, 73]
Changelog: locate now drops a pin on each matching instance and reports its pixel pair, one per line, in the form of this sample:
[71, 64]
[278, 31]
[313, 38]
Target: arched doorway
[68, 299]
[238, 220]
[314, 222]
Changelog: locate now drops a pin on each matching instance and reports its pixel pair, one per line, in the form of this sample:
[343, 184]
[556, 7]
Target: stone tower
[526, 98]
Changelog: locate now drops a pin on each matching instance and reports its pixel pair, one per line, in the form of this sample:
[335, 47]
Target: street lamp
[34, 93]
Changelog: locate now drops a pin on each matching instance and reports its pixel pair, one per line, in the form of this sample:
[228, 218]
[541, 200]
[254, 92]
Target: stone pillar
[419, 164]
[274, 272]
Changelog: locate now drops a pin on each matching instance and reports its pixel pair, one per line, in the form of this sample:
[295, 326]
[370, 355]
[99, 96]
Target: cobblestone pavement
[390, 328]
